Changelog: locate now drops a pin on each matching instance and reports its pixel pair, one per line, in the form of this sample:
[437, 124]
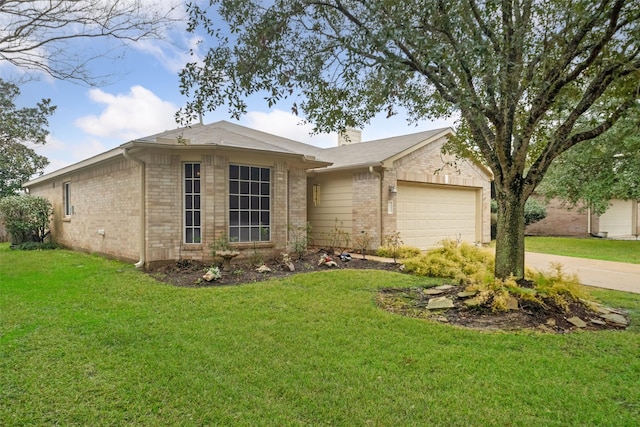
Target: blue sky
[141, 99]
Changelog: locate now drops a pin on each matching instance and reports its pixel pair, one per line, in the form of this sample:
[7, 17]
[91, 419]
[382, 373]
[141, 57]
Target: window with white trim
[249, 203]
[67, 199]
[192, 212]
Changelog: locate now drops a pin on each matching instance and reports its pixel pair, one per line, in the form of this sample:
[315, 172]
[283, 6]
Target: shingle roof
[369, 153]
[228, 134]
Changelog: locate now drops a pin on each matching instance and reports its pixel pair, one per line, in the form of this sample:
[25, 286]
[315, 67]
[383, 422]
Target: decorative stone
[212, 274]
[443, 287]
[290, 266]
[439, 303]
[263, 269]
[472, 302]
[512, 303]
[466, 294]
[618, 319]
[551, 322]
[598, 322]
[432, 291]
[577, 322]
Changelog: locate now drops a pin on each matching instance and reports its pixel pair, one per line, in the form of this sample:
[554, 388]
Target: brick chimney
[350, 136]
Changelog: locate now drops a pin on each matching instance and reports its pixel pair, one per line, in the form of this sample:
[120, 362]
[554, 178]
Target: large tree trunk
[510, 236]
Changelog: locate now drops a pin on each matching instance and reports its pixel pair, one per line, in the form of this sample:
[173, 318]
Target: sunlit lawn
[87, 341]
[604, 249]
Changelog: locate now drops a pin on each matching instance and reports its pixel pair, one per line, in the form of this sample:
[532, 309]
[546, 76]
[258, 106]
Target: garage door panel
[618, 219]
[429, 214]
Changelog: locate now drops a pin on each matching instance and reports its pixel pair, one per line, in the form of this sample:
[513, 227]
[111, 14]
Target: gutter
[143, 210]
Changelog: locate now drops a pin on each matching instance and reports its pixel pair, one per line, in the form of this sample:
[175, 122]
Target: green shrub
[36, 246]
[534, 211]
[403, 252]
[26, 218]
[462, 262]
[474, 266]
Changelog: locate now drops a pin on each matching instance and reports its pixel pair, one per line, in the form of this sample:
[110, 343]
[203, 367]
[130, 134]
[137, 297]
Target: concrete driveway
[619, 276]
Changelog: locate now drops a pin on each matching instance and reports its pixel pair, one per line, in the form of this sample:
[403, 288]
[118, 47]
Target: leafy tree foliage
[605, 168]
[27, 218]
[35, 34]
[18, 127]
[529, 78]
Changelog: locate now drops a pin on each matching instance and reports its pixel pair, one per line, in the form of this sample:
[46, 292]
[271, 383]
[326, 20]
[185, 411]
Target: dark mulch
[552, 318]
[189, 273]
[406, 301]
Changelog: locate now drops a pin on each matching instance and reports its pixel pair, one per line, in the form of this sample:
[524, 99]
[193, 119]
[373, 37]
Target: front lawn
[88, 341]
[592, 248]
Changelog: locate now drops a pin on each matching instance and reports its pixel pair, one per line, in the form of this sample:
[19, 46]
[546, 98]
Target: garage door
[428, 214]
[618, 219]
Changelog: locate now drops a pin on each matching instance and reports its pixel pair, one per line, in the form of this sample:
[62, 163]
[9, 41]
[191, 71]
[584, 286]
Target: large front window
[192, 217]
[249, 204]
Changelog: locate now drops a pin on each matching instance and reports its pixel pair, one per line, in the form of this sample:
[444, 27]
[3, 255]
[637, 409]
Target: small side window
[67, 199]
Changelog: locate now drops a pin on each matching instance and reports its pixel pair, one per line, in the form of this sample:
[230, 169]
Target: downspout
[143, 210]
[379, 225]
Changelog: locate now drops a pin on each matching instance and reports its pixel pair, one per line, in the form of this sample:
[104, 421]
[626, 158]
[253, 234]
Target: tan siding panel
[336, 201]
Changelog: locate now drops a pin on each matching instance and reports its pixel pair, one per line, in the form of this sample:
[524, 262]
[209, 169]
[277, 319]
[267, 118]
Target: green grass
[88, 341]
[603, 249]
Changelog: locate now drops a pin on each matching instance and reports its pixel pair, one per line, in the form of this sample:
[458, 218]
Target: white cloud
[287, 125]
[127, 116]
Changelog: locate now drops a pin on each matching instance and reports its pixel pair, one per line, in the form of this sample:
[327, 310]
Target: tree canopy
[529, 78]
[595, 172]
[20, 127]
[35, 34]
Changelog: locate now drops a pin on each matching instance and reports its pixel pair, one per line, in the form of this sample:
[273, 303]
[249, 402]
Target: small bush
[300, 238]
[26, 218]
[473, 266]
[561, 287]
[534, 211]
[403, 252]
[36, 246]
[462, 262]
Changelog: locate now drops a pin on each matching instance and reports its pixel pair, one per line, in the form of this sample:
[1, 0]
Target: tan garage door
[618, 219]
[428, 214]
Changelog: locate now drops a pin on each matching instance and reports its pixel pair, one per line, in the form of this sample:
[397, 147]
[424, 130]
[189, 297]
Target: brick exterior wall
[562, 221]
[106, 205]
[106, 211]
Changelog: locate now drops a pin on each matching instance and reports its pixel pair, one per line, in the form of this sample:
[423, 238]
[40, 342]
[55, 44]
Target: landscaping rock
[618, 319]
[466, 294]
[212, 274]
[432, 291]
[439, 303]
[512, 303]
[443, 287]
[472, 302]
[263, 269]
[577, 322]
[598, 322]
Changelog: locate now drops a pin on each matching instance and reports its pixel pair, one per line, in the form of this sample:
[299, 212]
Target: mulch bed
[404, 301]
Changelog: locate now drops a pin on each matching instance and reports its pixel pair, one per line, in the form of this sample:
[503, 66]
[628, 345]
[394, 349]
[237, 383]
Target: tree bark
[510, 235]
